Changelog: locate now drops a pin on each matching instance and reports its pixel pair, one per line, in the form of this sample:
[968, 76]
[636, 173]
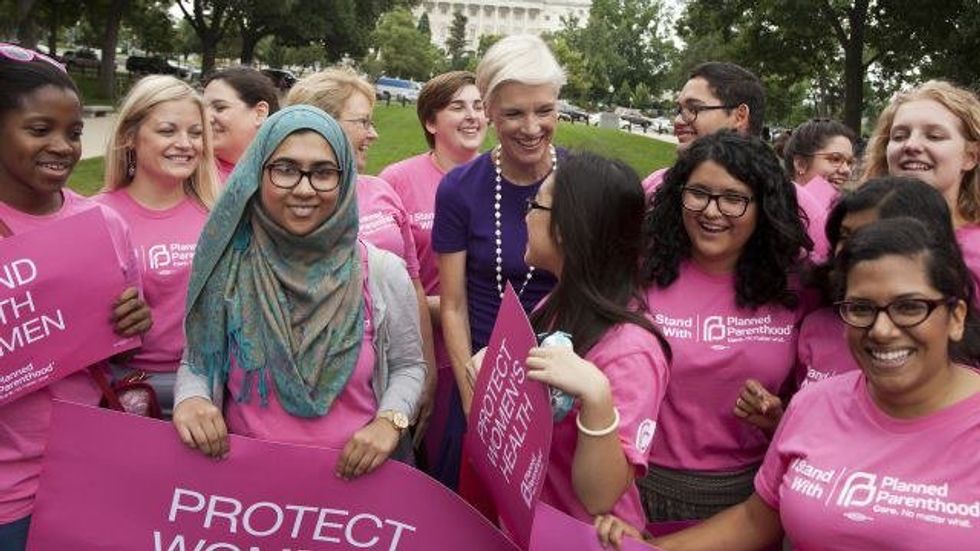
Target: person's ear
[261, 111]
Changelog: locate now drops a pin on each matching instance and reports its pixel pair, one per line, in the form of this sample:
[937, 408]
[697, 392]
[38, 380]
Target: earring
[130, 163]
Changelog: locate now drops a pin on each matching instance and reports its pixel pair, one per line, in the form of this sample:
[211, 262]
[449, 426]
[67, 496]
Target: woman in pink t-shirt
[819, 157]
[450, 110]
[822, 351]
[932, 133]
[724, 245]
[298, 332]
[238, 100]
[40, 129]
[584, 227]
[160, 178]
[884, 457]
[383, 222]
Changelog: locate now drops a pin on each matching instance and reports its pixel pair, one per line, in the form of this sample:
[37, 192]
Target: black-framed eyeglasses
[365, 122]
[322, 178]
[730, 204]
[689, 113]
[531, 204]
[835, 159]
[903, 312]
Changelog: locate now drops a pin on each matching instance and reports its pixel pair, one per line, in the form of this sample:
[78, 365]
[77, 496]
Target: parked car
[631, 116]
[281, 78]
[571, 113]
[80, 60]
[396, 88]
[148, 65]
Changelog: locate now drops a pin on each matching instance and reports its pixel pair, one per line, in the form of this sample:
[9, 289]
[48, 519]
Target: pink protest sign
[508, 433]
[55, 303]
[556, 530]
[112, 481]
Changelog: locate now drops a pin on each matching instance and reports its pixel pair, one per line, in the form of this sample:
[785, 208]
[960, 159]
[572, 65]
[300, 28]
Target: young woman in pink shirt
[584, 227]
[40, 129]
[160, 178]
[238, 100]
[724, 243]
[884, 457]
[383, 221]
[819, 157]
[450, 110]
[932, 133]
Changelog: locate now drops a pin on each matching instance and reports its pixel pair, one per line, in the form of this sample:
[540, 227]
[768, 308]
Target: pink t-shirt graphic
[844, 475]
[383, 221]
[632, 360]
[822, 351]
[164, 241]
[415, 180]
[716, 347]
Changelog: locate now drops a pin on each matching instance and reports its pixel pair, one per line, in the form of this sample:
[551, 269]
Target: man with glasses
[725, 96]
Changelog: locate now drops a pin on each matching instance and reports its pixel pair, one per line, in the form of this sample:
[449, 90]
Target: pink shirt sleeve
[632, 360]
[770, 475]
[384, 222]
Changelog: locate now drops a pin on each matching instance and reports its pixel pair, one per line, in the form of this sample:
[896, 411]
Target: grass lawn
[401, 137]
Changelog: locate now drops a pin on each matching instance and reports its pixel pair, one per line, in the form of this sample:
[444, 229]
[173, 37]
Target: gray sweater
[399, 371]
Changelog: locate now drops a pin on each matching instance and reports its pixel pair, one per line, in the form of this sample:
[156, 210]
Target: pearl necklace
[495, 155]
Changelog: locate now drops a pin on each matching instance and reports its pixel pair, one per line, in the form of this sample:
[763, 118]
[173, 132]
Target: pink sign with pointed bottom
[508, 433]
[55, 303]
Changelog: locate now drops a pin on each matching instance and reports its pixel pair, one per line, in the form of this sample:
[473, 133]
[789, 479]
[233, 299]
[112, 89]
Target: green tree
[257, 19]
[151, 26]
[424, 26]
[485, 42]
[832, 49]
[456, 42]
[211, 20]
[400, 49]
[641, 96]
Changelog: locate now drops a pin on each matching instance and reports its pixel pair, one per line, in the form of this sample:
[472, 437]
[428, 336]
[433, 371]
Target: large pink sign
[556, 530]
[508, 433]
[55, 302]
[112, 481]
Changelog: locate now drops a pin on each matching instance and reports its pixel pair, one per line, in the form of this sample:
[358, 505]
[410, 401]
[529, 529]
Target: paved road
[96, 134]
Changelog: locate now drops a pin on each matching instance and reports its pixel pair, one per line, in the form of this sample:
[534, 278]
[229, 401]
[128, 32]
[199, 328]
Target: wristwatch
[396, 418]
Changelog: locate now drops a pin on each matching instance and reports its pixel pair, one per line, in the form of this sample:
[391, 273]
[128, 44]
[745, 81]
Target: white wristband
[601, 432]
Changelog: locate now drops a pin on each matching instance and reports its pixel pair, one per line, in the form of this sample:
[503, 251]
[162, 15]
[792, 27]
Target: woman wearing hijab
[290, 316]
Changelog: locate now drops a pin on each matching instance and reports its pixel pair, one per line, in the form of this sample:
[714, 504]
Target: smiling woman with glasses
[384, 221]
[270, 356]
[883, 457]
[724, 241]
[819, 157]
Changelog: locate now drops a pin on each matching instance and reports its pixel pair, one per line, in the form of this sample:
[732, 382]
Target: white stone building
[504, 17]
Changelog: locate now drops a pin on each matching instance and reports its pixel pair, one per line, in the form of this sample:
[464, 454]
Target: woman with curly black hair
[724, 241]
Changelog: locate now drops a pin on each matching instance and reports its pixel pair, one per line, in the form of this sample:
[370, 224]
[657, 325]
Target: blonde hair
[522, 58]
[145, 96]
[960, 102]
[329, 90]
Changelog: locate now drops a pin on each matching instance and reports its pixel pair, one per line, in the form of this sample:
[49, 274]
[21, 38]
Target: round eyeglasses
[322, 178]
[904, 312]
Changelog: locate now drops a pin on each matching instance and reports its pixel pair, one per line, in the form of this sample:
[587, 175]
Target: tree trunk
[249, 41]
[53, 32]
[854, 66]
[209, 45]
[107, 68]
[26, 34]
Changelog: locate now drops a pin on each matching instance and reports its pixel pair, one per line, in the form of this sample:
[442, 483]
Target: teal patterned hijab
[281, 307]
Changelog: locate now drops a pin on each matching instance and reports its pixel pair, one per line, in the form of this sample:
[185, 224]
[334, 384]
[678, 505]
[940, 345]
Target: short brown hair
[436, 95]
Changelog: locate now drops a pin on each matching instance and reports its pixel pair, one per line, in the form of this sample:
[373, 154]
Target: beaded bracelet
[601, 432]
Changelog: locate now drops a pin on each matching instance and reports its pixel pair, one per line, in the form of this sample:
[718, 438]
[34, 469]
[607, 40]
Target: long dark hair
[596, 219]
[889, 197]
[778, 244]
[944, 267]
